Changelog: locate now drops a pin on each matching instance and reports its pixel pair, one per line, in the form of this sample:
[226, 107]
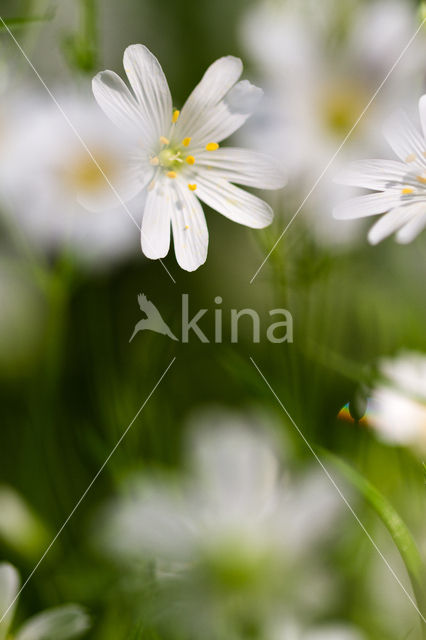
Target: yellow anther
[212, 146]
[192, 187]
[186, 142]
[171, 174]
[186, 227]
[164, 140]
[175, 116]
[421, 179]
[190, 160]
[154, 161]
[411, 157]
[407, 191]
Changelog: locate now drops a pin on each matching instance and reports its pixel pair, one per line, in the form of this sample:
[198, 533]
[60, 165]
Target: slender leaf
[397, 528]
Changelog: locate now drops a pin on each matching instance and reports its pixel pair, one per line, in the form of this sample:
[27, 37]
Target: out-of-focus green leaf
[21, 21]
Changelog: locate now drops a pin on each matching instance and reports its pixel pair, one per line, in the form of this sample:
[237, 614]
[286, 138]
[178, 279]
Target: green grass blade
[397, 528]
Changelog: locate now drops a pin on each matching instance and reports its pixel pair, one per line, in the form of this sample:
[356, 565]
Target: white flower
[398, 403]
[322, 62]
[51, 187]
[232, 535]
[177, 158]
[401, 184]
[60, 623]
[295, 631]
[233, 496]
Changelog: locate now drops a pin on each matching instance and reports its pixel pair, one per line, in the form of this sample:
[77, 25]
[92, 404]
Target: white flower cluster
[321, 64]
[78, 185]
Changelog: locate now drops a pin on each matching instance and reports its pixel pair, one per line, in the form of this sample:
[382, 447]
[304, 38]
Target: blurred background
[70, 380]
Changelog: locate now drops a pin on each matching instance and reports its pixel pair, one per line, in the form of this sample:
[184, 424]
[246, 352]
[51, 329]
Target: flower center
[170, 158]
[84, 174]
[173, 156]
[341, 106]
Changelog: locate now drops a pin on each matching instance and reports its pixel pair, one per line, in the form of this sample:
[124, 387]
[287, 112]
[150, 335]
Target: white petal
[234, 203]
[9, 586]
[190, 233]
[151, 521]
[236, 470]
[243, 167]
[375, 174]
[155, 229]
[220, 121]
[307, 512]
[390, 223]
[411, 230]
[215, 83]
[61, 623]
[115, 99]
[405, 139]
[150, 86]
[422, 111]
[368, 205]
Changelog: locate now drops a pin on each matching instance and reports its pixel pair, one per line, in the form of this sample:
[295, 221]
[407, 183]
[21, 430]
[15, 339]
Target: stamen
[407, 191]
[421, 179]
[190, 160]
[192, 187]
[186, 142]
[171, 174]
[212, 146]
[411, 157]
[186, 227]
[175, 116]
[154, 161]
[164, 140]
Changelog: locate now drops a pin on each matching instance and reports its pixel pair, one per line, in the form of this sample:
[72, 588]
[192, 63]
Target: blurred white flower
[398, 403]
[331, 632]
[176, 157]
[294, 631]
[233, 533]
[401, 185]
[52, 188]
[322, 63]
[61, 623]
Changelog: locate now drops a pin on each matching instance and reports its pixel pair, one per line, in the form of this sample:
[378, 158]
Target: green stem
[82, 47]
[397, 528]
